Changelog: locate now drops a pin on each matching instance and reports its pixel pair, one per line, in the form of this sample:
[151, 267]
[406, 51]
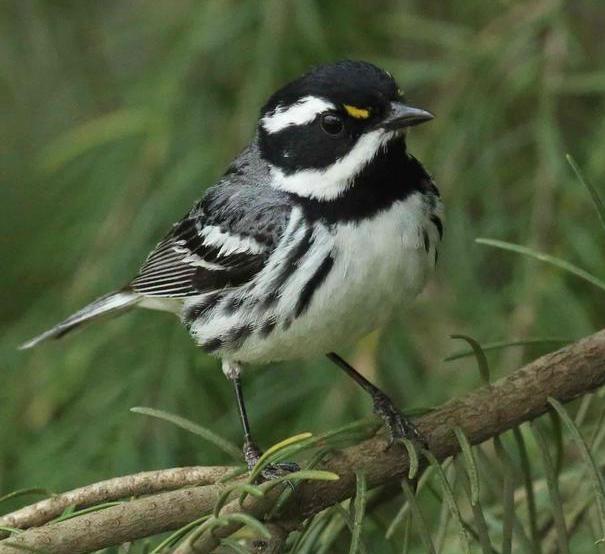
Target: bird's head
[319, 131]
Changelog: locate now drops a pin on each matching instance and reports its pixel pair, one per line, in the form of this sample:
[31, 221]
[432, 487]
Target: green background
[116, 115]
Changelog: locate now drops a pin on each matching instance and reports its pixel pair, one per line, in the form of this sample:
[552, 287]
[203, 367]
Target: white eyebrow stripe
[303, 111]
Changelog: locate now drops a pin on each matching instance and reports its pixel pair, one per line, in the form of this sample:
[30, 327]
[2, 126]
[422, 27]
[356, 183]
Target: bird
[319, 231]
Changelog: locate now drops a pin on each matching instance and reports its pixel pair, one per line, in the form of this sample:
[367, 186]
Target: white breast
[379, 264]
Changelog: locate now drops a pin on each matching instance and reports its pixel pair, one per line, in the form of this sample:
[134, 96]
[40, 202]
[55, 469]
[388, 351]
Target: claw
[398, 426]
[271, 471]
[274, 471]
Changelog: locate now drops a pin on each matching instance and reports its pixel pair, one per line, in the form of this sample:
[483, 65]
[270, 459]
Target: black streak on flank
[212, 344]
[287, 322]
[269, 299]
[238, 335]
[425, 237]
[231, 305]
[201, 308]
[289, 266]
[313, 284]
[267, 327]
[437, 222]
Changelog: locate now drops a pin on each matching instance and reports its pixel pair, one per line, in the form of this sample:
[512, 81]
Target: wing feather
[217, 245]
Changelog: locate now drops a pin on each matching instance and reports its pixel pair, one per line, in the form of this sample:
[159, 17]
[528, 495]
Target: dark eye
[332, 124]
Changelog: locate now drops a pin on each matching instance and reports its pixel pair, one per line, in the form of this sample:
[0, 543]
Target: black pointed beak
[400, 116]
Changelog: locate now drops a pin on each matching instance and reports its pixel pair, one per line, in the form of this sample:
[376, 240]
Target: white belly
[379, 264]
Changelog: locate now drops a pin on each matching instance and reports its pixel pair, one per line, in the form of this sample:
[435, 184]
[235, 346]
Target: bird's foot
[271, 471]
[397, 425]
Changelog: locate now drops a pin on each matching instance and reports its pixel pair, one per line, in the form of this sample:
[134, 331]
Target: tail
[110, 304]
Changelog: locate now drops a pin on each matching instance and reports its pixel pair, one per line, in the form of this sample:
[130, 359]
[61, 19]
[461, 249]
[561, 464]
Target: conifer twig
[482, 414]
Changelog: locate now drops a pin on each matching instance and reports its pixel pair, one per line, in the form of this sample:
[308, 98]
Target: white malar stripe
[230, 244]
[331, 182]
[299, 113]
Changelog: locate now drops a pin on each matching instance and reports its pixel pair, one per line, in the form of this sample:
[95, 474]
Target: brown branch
[482, 414]
[119, 524]
[256, 507]
[279, 534]
[139, 484]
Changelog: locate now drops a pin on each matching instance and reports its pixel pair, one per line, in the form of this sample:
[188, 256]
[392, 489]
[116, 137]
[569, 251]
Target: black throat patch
[391, 176]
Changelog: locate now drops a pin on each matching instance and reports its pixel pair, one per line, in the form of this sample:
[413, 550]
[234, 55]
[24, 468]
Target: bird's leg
[398, 426]
[252, 452]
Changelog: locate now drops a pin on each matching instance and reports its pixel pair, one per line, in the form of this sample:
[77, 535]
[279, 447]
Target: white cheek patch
[331, 182]
[299, 113]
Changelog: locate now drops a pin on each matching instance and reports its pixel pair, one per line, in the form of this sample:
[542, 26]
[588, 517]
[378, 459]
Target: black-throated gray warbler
[316, 233]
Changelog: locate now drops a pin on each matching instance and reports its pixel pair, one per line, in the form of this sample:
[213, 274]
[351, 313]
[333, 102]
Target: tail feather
[110, 304]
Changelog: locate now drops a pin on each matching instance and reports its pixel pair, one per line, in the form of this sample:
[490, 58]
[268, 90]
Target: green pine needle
[421, 525]
[359, 508]
[598, 202]
[470, 465]
[595, 475]
[448, 495]
[547, 258]
[553, 489]
[477, 350]
[221, 443]
[500, 345]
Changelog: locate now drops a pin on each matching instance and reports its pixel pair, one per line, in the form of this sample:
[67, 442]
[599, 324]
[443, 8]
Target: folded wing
[223, 242]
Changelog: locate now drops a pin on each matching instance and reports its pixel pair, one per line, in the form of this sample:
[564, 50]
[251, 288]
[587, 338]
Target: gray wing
[222, 242]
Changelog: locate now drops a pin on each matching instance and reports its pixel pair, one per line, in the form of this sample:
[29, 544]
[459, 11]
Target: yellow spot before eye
[357, 113]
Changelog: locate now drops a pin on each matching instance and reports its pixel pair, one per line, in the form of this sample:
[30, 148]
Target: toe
[288, 467]
[401, 428]
[274, 471]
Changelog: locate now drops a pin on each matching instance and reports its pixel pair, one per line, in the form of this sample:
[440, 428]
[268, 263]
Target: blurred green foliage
[117, 115]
